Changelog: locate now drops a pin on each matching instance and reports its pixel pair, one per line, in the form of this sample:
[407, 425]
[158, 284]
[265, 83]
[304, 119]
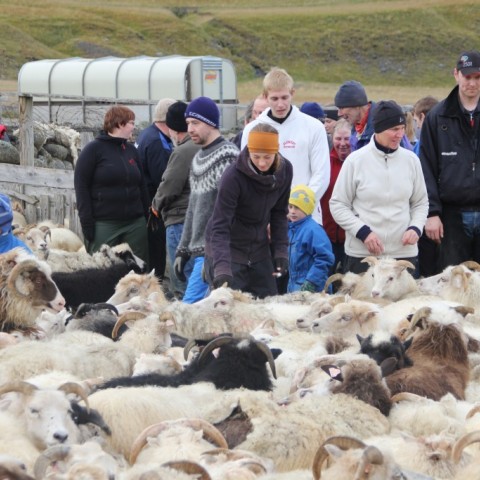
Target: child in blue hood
[8, 240]
[309, 251]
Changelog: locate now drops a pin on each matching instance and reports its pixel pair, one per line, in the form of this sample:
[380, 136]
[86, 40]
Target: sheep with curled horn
[352, 458]
[185, 438]
[240, 363]
[42, 418]
[26, 287]
[95, 317]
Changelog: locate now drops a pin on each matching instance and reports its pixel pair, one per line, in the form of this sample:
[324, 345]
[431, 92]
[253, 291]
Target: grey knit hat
[160, 113]
[351, 94]
[387, 114]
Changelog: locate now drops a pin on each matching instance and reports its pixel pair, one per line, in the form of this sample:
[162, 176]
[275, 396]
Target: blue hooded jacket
[310, 254]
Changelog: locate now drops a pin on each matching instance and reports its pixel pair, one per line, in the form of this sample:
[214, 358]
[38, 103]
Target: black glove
[281, 266]
[88, 232]
[221, 280]
[179, 266]
[308, 287]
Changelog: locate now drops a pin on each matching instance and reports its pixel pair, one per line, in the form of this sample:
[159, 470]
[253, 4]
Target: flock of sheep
[103, 378]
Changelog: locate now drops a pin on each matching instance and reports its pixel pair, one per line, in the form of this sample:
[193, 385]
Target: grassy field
[397, 49]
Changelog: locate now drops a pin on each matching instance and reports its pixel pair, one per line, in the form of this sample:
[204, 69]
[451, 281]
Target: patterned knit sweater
[207, 167]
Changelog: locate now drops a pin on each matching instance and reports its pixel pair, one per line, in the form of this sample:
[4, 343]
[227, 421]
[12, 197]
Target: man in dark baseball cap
[469, 62]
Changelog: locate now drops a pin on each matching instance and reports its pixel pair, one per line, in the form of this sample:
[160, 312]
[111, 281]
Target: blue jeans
[174, 233]
[197, 289]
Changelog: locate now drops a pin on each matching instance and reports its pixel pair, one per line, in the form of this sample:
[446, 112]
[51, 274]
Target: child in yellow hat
[310, 251]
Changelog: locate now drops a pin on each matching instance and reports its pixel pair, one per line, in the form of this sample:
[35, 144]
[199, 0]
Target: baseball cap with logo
[469, 62]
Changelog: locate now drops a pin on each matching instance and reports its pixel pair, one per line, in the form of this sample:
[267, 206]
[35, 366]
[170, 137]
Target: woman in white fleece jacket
[380, 198]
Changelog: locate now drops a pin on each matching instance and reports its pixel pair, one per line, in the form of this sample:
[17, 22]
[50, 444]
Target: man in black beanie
[380, 198]
[353, 105]
[171, 199]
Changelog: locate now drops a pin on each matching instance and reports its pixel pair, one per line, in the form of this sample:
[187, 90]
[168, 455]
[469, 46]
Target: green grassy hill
[395, 43]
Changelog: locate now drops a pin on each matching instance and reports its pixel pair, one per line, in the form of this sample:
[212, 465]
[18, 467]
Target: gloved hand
[221, 280]
[308, 287]
[88, 232]
[281, 266]
[179, 266]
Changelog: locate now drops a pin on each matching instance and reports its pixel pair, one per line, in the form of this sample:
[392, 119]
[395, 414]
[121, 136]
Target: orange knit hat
[264, 142]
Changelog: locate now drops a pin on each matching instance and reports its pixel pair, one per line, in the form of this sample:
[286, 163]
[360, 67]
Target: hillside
[391, 43]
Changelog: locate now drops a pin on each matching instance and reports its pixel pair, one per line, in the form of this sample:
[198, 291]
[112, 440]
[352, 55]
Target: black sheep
[91, 285]
[239, 363]
[379, 348]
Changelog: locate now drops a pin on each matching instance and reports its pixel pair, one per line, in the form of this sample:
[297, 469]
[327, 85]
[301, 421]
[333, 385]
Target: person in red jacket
[340, 151]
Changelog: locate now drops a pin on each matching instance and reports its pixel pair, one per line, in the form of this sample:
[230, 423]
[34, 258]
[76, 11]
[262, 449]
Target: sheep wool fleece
[208, 165]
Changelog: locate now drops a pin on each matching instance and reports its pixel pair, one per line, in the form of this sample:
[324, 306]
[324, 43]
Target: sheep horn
[413, 397]
[321, 454]
[84, 308]
[215, 343]
[17, 270]
[268, 353]
[371, 455]
[21, 387]
[473, 411]
[72, 387]
[418, 315]
[463, 442]
[211, 434]
[471, 265]
[188, 346]
[370, 260]
[189, 468]
[52, 454]
[125, 317]
[405, 264]
[332, 278]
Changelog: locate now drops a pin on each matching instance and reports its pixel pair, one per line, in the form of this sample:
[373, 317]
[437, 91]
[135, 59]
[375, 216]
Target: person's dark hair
[249, 112]
[117, 117]
[424, 105]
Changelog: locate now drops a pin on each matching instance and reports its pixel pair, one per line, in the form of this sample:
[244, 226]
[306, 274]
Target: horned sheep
[26, 287]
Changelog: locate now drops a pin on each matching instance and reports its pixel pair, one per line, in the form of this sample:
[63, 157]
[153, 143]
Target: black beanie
[387, 114]
[176, 117]
[351, 94]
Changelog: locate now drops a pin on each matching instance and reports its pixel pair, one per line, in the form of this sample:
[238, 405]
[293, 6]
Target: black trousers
[255, 278]
[157, 249]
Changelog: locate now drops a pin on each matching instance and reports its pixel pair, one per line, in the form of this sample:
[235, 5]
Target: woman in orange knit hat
[253, 195]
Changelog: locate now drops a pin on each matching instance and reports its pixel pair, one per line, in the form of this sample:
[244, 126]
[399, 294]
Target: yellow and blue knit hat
[303, 197]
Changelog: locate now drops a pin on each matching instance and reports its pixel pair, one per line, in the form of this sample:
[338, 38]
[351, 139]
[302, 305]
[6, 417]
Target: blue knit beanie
[205, 110]
[351, 94]
[6, 214]
[313, 109]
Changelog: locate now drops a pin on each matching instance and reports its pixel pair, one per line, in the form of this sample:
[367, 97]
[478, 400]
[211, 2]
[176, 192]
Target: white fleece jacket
[303, 141]
[386, 193]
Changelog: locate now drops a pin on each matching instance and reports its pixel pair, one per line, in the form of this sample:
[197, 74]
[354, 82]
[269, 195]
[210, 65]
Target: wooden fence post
[25, 104]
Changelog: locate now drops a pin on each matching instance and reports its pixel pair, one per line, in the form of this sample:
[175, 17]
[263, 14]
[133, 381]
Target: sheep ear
[407, 343]
[276, 352]
[463, 310]
[333, 372]
[360, 339]
[388, 366]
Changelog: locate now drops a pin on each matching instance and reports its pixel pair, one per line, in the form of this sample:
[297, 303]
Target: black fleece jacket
[109, 181]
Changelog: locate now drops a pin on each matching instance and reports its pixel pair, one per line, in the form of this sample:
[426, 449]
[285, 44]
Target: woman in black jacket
[112, 199]
[252, 201]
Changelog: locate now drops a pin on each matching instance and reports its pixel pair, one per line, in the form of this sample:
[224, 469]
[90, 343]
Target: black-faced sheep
[239, 363]
[26, 287]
